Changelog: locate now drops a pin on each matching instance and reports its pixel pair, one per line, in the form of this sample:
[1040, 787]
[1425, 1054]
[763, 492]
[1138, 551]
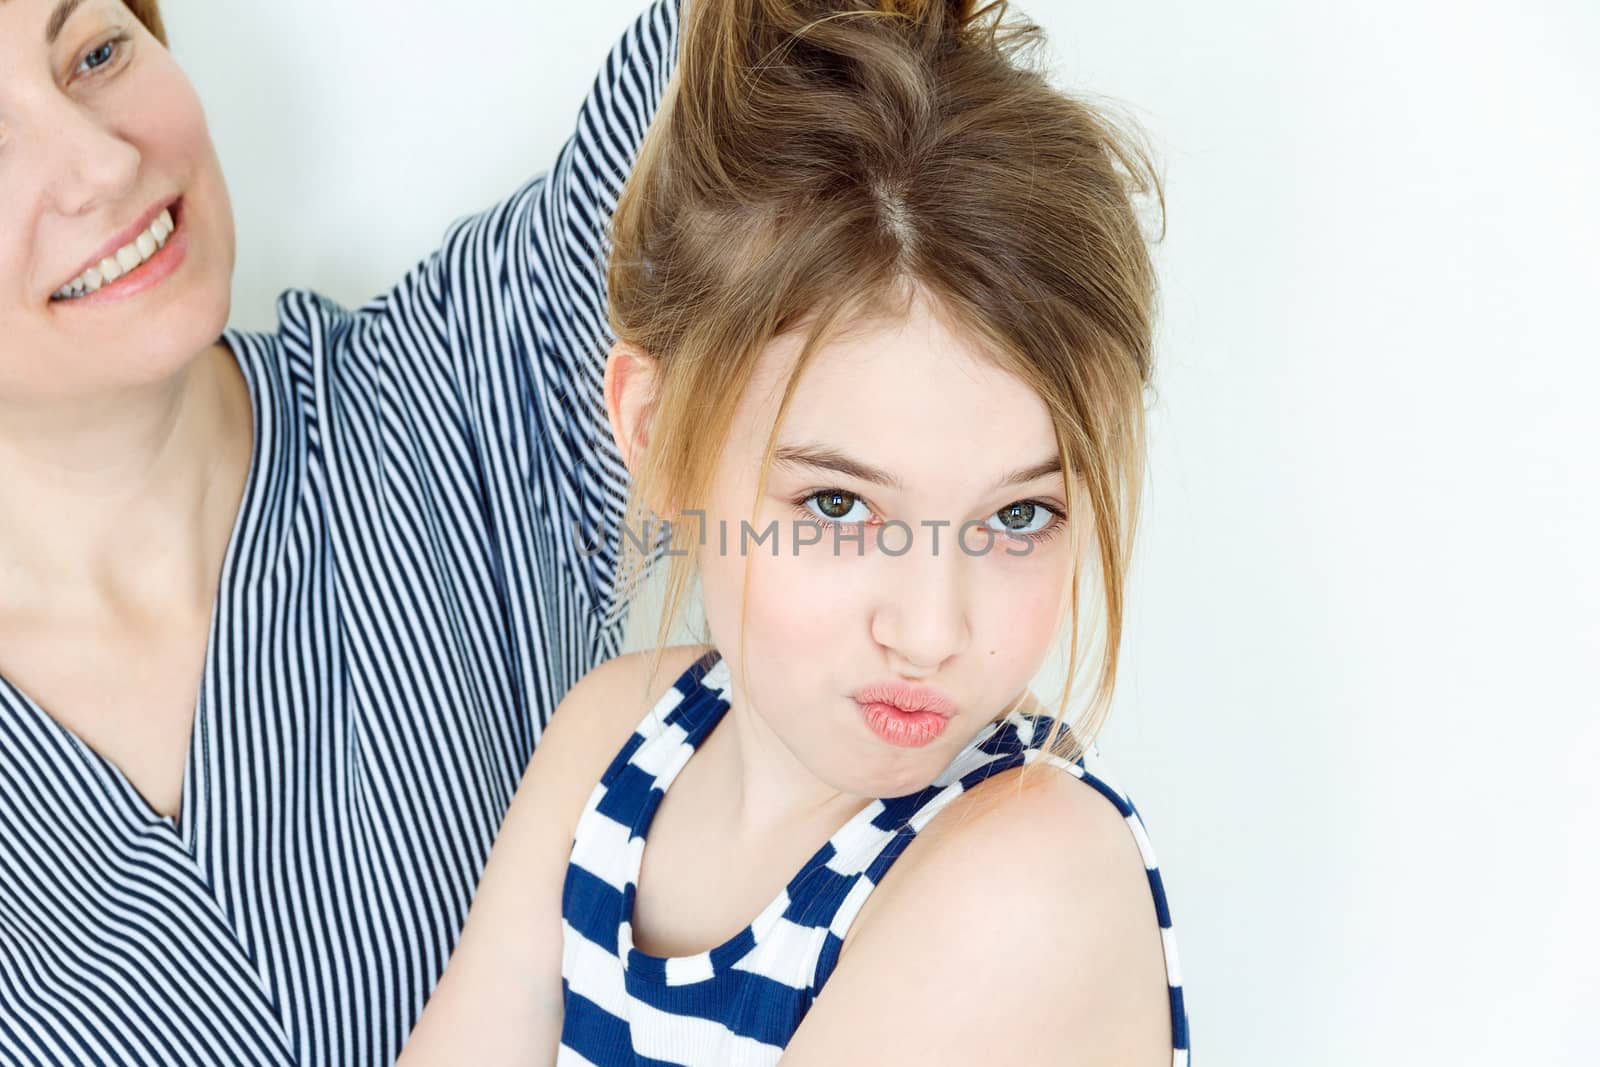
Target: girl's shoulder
[1034, 880]
[595, 720]
[1031, 831]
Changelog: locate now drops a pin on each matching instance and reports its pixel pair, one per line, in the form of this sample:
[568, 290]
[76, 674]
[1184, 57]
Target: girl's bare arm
[499, 1002]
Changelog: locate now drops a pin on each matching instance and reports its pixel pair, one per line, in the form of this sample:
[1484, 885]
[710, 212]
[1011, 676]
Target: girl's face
[902, 436]
[100, 134]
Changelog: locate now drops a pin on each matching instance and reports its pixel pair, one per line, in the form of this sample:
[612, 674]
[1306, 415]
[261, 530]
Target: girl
[885, 311]
[281, 614]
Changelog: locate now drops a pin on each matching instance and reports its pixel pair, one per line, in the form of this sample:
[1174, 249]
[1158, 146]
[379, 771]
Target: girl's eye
[1023, 517]
[835, 506]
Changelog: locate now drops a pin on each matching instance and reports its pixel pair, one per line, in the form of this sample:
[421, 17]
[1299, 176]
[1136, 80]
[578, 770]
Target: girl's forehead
[909, 364]
[911, 392]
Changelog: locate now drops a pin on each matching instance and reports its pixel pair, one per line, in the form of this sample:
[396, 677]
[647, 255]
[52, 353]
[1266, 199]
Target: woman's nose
[89, 163]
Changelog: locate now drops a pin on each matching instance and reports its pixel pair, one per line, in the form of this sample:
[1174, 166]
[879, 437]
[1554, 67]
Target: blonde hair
[816, 161]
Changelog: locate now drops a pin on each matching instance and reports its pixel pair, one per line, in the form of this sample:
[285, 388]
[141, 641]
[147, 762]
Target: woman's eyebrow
[58, 19]
[834, 460]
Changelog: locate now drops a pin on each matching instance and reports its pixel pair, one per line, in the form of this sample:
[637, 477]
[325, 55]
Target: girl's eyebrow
[832, 459]
[1042, 469]
[58, 19]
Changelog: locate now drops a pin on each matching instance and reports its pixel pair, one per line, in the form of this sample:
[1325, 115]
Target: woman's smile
[138, 258]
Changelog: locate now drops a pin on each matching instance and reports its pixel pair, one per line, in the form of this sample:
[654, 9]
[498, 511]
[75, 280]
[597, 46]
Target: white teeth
[124, 261]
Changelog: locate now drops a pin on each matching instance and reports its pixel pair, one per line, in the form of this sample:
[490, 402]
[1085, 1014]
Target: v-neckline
[193, 801]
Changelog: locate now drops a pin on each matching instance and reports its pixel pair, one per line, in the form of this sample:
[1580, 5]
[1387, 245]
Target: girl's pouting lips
[147, 256]
[910, 716]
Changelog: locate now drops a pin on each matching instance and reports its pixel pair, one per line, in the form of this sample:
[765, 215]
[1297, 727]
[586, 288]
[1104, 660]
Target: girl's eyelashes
[831, 506]
[1033, 520]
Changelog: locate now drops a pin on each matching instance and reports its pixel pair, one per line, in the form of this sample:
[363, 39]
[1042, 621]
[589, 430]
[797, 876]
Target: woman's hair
[149, 13]
[820, 162]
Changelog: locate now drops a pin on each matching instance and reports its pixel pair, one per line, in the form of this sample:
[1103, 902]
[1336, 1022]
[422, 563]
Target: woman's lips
[151, 273]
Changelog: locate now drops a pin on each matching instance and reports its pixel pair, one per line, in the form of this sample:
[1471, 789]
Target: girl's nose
[921, 616]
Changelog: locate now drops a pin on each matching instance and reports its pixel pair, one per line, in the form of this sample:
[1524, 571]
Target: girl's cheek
[1024, 598]
[807, 595]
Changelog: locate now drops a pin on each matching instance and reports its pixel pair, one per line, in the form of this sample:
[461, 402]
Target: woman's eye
[99, 57]
[1023, 517]
[835, 506]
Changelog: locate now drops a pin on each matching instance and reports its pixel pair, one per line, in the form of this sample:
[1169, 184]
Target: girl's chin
[889, 772]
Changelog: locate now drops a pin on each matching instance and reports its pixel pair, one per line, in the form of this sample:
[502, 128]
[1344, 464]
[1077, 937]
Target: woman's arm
[477, 377]
[561, 249]
[500, 1002]
[1017, 929]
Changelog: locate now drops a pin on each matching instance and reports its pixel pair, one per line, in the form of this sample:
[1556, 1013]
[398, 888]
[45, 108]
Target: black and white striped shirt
[402, 605]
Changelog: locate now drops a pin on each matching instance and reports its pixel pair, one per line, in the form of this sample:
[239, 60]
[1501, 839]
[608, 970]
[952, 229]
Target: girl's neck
[768, 789]
[124, 495]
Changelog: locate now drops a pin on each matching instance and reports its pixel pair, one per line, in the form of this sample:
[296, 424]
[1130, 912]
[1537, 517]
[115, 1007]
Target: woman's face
[903, 434]
[102, 139]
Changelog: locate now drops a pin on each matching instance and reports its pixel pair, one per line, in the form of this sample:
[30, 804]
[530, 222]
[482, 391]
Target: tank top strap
[609, 834]
[869, 846]
[674, 726]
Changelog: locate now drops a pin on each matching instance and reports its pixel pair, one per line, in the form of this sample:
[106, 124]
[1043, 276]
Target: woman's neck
[123, 497]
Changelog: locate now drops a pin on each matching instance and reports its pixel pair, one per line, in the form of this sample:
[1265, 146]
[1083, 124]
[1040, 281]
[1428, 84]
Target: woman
[281, 615]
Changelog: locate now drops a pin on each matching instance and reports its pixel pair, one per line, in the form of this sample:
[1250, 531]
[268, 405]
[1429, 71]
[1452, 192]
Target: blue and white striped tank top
[738, 1004]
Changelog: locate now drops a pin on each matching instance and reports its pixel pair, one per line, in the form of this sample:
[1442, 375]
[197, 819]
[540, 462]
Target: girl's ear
[630, 388]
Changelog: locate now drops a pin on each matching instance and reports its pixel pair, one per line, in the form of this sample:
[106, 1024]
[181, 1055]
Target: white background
[1360, 698]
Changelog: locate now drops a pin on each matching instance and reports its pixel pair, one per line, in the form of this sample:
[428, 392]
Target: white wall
[1359, 708]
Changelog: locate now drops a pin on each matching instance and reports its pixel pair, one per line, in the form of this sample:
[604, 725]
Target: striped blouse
[403, 603]
[738, 1004]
